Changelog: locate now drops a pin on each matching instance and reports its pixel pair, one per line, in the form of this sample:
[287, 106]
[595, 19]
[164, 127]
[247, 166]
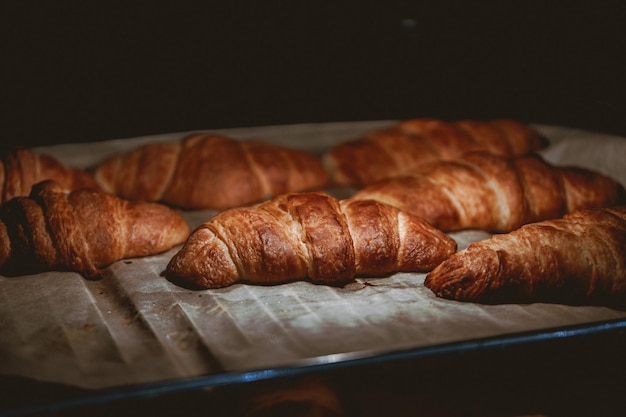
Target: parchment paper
[134, 326]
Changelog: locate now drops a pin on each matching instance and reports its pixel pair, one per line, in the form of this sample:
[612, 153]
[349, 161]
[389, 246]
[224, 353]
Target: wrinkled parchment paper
[136, 327]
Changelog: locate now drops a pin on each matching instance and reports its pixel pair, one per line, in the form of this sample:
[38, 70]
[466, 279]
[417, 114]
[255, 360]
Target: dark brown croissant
[403, 147]
[307, 235]
[578, 259]
[81, 231]
[21, 168]
[210, 171]
[494, 193]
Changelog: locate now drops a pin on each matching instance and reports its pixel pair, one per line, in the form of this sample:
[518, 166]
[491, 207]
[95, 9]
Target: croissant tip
[454, 279]
[182, 282]
[184, 271]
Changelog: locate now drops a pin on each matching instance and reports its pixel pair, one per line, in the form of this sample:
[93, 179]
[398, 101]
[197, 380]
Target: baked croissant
[400, 149]
[577, 259]
[307, 235]
[81, 231]
[495, 193]
[21, 168]
[205, 171]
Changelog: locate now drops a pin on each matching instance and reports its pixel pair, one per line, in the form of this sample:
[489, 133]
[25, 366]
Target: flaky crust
[494, 193]
[307, 236]
[21, 168]
[400, 149]
[81, 231]
[205, 171]
[578, 259]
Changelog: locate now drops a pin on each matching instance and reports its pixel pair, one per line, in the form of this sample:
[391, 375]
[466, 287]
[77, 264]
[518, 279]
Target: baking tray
[134, 333]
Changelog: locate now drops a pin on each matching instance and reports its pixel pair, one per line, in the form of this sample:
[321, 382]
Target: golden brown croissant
[494, 193]
[577, 259]
[81, 231]
[21, 168]
[210, 171]
[403, 147]
[307, 235]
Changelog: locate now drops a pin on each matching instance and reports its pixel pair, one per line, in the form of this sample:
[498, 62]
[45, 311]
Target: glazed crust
[210, 172]
[495, 193]
[21, 168]
[81, 231]
[577, 259]
[309, 236]
[400, 149]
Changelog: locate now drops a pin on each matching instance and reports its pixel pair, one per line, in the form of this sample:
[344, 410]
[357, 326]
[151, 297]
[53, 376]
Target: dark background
[83, 71]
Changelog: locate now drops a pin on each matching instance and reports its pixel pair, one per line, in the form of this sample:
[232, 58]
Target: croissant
[21, 168]
[495, 193]
[577, 259]
[205, 171]
[81, 231]
[400, 149]
[307, 235]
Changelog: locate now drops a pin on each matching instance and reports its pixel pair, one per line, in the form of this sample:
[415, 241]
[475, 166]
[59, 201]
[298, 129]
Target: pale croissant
[310, 236]
[495, 193]
[81, 231]
[21, 168]
[577, 259]
[406, 145]
[205, 171]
